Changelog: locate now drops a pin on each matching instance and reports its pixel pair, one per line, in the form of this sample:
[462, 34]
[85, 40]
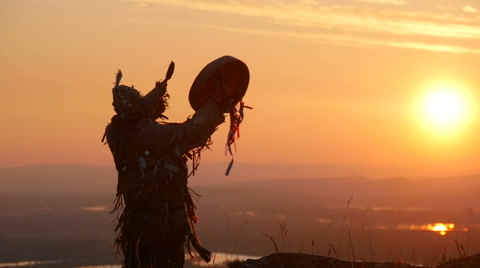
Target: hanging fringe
[204, 253]
[195, 155]
[229, 167]
[236, 118]
[190, 197]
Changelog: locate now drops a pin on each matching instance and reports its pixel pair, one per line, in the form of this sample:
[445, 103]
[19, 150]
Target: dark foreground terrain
[299, 260]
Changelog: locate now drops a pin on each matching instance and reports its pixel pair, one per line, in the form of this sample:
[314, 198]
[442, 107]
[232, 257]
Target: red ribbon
[236, 118]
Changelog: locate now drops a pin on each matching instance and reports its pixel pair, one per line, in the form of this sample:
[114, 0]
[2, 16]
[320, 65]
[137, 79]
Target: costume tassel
[236, 118]
[229, 167]
[205, 254]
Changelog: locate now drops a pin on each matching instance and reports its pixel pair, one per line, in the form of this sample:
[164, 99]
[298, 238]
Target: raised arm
[181, 137]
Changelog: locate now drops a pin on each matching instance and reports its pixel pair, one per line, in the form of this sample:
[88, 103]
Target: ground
[300, 260]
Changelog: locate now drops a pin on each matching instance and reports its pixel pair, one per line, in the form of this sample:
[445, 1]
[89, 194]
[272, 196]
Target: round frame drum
[226, 76]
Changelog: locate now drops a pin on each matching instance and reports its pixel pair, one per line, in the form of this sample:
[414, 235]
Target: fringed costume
[154, 207]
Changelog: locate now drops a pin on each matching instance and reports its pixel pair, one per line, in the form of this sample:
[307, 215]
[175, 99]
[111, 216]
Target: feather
[170, 70]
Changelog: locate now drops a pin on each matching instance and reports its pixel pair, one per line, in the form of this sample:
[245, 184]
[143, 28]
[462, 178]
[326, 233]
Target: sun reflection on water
[441, 228]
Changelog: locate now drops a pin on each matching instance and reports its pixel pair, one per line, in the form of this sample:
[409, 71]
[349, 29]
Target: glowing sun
[444, 108]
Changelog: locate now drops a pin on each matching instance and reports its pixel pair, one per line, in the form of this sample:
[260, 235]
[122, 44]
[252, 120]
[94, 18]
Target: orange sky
[332, 82]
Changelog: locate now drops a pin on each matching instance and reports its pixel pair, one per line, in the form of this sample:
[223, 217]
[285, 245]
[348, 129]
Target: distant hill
[382, 194]
[58, 178]
[287, 181]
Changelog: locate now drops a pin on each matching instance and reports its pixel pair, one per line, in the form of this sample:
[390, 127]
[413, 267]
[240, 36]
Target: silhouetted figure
[155, 210]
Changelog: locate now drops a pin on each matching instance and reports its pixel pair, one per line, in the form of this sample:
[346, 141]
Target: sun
[444, 108]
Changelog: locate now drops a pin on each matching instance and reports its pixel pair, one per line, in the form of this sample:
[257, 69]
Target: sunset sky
[335, 82]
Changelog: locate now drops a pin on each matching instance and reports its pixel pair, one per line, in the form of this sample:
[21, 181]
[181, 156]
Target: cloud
[469, 9]
[95, 209]
[352, 40]
[348, 23]
[434, 47]
[390, 2]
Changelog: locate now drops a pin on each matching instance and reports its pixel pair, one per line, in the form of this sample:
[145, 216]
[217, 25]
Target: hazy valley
[61, 212]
